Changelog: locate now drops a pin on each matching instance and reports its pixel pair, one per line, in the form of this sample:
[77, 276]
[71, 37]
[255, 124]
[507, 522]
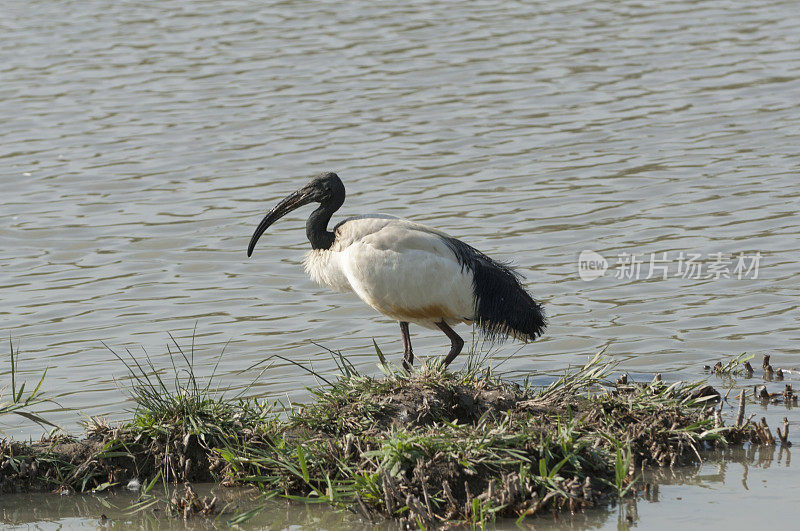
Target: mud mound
[426, 449]
[423, 404]
[105, 456]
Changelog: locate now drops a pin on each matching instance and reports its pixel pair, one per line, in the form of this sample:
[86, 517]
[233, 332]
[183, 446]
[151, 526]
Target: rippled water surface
[141, 143]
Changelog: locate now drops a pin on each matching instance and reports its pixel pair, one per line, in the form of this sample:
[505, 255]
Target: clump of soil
[105, 457]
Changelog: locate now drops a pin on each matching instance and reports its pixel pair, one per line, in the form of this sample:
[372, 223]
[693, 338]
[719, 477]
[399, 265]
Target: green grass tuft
[17, 401]
[185, 402]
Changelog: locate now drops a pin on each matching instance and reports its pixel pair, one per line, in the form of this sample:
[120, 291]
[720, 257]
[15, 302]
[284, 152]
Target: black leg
[456, 342]
[408, 354]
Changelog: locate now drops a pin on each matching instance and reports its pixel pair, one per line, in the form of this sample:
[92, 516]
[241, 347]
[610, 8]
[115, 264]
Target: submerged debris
[783, 436]
[190, 504]
[740, 410]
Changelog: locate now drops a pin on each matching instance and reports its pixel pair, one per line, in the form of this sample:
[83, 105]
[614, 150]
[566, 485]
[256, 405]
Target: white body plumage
[409, 272]
[402, 269]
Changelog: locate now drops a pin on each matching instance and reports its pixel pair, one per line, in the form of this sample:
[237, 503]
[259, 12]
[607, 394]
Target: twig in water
[764, 434]
[740, 411]
[784, 437]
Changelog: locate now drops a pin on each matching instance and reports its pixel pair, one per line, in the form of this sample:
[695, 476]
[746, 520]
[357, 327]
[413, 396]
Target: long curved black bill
[294, 201]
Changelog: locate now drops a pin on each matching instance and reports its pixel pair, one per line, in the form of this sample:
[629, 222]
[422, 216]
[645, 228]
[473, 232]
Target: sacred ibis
[409, 272]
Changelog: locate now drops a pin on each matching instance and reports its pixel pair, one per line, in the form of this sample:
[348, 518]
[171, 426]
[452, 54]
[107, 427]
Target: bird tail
[502, 306]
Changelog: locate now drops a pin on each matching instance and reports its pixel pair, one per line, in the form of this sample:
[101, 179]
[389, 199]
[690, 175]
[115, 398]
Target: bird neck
[317, 227]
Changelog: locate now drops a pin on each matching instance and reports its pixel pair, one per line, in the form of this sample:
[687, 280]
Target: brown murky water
[141, 142]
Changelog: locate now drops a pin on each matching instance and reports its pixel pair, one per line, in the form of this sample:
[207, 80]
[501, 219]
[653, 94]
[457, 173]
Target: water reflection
[113, 510]
[723, 482]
